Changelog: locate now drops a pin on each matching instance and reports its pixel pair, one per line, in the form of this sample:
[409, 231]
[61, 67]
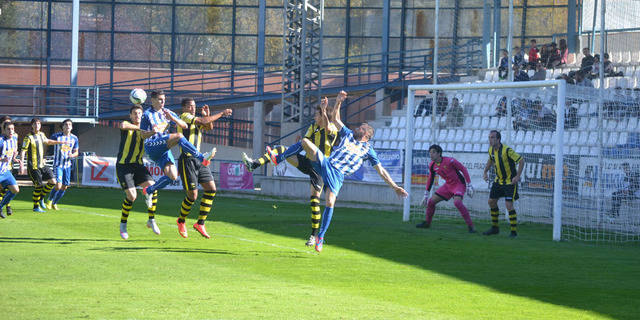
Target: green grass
[72, 264]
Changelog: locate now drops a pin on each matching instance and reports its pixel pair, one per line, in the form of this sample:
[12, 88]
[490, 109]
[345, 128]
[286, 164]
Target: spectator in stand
[541, 72]
[631, 184]
[543, 117]
[442, 102]
[587, 61]
[519, 75]
[608, 68]
[567, 79]
[582, 80]
[501, 109]
[595, 69]
[554, 58]
[455, 115]
[533, 54]
[503, 68]
[424, 108]
[564, 52]
[544, 55]
[523, 114]
[518, 57]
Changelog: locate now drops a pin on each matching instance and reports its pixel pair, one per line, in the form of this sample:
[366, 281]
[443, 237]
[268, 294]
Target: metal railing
[17, 100]
[343, 72]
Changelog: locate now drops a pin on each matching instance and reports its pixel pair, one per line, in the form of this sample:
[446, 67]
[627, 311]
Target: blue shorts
[158, 150]
[7, 179]
[63, 175]
[332, 178]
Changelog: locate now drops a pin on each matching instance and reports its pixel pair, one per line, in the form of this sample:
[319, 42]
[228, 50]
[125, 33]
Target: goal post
[559, 87]
[581, 148]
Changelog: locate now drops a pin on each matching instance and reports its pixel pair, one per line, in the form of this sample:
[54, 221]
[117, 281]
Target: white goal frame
[559, 85]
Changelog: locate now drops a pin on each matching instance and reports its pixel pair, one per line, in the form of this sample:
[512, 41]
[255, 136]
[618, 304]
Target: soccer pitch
[72, 263]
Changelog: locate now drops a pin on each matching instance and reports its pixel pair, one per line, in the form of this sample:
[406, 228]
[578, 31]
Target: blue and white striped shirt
[7, 151]
[63, 151]
[349, 154]
[152, 118]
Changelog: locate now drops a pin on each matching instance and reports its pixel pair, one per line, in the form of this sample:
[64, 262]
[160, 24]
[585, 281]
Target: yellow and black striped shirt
[34, 145]
[193, 132]
[505, 161]
[322, 138]
[131, 147]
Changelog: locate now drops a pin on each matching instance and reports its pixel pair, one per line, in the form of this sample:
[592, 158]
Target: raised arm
[126, 125]
[334, 113]
[207, 120]
[324, 119]
[387, 178]
[173, 117]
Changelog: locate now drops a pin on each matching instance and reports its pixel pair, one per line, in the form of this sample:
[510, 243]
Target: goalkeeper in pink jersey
[457, 182]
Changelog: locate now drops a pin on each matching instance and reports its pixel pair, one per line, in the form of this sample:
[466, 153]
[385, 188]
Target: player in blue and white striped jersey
[14, 137]
[63, 157]
[8, 147]
[347, 156]
[157, 147]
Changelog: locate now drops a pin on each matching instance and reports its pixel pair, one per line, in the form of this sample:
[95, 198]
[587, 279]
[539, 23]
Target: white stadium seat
[426, 134]
[394, 122]
[402, 134]
[485, 122]
[403, 122]
[394, 134]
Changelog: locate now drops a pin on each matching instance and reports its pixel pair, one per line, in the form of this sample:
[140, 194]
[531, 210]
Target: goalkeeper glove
[470, 191]
[424, 201]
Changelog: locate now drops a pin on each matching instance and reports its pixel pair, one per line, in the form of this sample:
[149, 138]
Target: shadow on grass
[49, 240]
[161, 249]
[601, 278]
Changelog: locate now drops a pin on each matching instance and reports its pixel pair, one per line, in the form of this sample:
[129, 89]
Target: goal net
[591, 134]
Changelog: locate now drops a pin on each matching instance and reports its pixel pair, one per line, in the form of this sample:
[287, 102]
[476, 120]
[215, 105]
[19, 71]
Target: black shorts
[507, 191]
[305, 166]
[132, 174]
[39, 175]
[193, 172]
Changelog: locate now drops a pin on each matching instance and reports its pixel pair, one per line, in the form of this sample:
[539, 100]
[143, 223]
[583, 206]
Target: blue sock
[52, 194]
[292, 150]
[59, 195]
[7, 197]
[161, 183]
[190, 148]
[326, 220]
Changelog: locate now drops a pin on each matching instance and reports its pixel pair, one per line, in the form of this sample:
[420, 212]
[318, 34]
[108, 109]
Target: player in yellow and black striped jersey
[131, 171]
[505, 184]
[323, 134]
[192, 171]
[33, 145]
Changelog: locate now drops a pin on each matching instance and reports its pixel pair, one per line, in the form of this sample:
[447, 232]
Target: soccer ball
[137, 96]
